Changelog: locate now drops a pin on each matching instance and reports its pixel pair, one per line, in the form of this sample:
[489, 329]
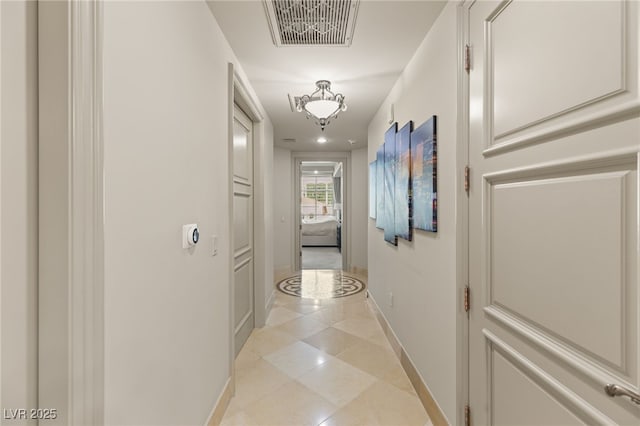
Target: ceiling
[386, 35]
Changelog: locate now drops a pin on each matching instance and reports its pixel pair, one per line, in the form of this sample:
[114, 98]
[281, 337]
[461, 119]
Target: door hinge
[467, 415]
[467, 300]
[467, 171]
[467, 58]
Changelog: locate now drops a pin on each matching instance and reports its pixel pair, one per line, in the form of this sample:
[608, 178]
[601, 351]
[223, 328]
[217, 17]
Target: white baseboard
[217, 413]
[424, 393]
[269, 304]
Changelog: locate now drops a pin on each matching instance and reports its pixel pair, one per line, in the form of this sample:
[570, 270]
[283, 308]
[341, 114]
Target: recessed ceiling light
[322, 139]
[315, 172]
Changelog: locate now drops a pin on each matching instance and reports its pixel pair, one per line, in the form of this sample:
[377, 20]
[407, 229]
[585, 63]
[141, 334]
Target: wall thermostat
[190, 235]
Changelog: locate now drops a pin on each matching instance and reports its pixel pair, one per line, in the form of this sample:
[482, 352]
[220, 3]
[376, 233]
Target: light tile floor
[321, 362]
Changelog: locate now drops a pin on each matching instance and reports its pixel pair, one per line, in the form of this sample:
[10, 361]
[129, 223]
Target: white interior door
[243, 227]
[554, 136]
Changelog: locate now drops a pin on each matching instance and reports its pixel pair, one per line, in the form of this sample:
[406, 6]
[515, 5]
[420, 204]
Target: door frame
[240, 95]
[462, 212]
[338, 157]
[71, 225]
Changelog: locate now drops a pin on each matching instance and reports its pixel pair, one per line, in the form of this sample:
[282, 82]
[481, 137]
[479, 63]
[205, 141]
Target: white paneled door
[242, 227]
[554, 136]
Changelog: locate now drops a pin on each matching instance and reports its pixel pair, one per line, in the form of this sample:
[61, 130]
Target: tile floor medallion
[322, 360]
[321, 284]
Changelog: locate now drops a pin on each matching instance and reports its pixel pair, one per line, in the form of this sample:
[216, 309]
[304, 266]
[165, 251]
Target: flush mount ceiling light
[322, 139]
[322, 105]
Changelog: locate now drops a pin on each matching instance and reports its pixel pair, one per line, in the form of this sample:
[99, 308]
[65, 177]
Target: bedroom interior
[321, 224]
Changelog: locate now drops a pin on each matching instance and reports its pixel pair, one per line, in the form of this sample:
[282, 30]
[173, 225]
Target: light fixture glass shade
[322, 105]
[322, 108]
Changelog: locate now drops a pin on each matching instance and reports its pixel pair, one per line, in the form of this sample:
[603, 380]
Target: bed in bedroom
[320, 231]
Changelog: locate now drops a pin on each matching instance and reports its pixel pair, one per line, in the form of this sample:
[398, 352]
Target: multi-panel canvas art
[389, 184]
[403, 181]
[402, 202]
[380, 188]
[372, 189]
[424, 176]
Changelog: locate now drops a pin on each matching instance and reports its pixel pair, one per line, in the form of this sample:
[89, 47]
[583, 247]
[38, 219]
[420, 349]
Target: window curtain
[337, 194]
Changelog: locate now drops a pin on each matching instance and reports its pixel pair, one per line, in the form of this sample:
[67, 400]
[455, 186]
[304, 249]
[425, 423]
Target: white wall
[167, 329]
[422, 274]
[263, 233]
[283, 210]
[359, 207]
[19, 204]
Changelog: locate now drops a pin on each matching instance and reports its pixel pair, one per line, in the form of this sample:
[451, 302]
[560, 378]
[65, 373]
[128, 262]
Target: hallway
[484, 179]
[321, 362]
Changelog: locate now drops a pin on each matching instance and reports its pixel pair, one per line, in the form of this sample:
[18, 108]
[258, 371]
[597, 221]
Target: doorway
[321, 214]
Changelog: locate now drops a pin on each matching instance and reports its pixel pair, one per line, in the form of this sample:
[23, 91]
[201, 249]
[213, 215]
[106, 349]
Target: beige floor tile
[296, 359]
[369, 357]
[257, 381]
[332, 341]
[358, 297]
[284, 299]
[329, 315]
[397, 377]
[379, 339]
[389, 405]
[280, 315]
[302, 327]
[232, 409]
[361, 327]
[337, 381]
[291, 404]
[304, 309]
[264, 341]
[288, 372]
[246, 358]
[240, 418]
[352, 414]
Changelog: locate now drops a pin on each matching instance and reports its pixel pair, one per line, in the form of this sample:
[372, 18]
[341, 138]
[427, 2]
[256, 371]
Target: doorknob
[617, 390]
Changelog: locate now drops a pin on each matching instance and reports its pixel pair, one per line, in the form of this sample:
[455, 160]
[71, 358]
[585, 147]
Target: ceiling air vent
[311, 22]
[289, 140]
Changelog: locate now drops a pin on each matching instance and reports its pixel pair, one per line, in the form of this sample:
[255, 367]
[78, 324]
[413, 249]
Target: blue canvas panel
[402, 201]
[424, 176]
[372, 189]
[380, 187]
[389, 184]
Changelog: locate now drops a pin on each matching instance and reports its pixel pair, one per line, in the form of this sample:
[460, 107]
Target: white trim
[462, 215]
[218, 409]
[563, 395]
[240, 94]
[72, 222]
[0, 209]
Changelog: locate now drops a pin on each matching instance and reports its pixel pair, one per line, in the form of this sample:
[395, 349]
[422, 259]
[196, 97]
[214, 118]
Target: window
[317, 196]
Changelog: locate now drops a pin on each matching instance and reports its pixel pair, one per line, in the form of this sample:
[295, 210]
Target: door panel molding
[607, 220]
[598, 373]
[617, 164]
[617, 102]
[564, 396]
